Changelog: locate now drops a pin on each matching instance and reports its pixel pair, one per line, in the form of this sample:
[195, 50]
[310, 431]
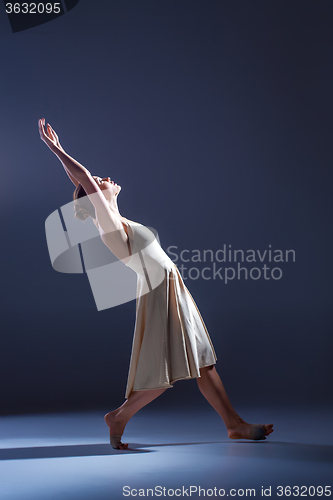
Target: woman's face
[109, 187]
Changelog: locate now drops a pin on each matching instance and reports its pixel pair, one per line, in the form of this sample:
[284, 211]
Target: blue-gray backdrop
[216, 119]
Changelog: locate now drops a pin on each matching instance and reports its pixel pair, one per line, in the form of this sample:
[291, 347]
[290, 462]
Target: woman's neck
[114, 206]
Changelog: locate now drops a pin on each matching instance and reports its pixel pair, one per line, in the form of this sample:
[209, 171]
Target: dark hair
[83, 207]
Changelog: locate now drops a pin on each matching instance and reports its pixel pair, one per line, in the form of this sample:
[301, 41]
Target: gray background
[215, 117]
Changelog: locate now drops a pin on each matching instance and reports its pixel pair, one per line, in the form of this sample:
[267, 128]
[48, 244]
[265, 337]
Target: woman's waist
[145, 260]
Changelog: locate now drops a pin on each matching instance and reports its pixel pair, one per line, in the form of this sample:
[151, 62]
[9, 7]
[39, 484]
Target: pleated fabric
[171, 341]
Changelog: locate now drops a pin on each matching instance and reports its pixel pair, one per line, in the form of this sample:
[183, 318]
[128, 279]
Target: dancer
[170, 341]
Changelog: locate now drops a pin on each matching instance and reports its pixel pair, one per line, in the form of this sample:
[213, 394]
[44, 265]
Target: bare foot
[116, 428]
[244, 430]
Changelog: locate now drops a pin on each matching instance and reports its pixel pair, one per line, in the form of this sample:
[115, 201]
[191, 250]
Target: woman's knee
[206, 369]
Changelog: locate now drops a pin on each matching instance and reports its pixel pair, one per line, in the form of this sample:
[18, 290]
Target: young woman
[171, 341]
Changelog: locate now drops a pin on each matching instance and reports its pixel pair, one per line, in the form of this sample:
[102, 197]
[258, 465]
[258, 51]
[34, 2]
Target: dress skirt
[171, 341]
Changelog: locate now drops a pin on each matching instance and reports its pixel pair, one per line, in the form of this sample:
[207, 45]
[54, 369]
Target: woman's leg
[117, 419]
[213, 390]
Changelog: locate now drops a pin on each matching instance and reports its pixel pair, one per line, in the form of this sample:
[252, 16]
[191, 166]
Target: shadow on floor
[82, 450]
[244, 449]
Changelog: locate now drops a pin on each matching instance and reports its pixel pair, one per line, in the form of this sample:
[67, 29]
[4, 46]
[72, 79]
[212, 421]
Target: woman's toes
[268, 429]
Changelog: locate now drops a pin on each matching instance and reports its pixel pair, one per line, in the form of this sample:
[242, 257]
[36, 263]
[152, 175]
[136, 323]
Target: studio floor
[64, 456]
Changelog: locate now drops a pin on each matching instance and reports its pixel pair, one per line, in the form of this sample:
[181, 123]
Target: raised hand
[54, 136]
[48, 135]
[75, 171]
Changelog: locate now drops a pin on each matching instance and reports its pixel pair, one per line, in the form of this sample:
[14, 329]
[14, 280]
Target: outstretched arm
[107, 219]
[74, 181]
[73, 169]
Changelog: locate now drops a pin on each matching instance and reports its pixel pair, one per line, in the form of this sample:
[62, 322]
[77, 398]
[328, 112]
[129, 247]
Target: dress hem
[170, 386]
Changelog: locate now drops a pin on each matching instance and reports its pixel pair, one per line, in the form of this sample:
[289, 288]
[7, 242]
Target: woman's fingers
[55, 135]
[51, 133]
[41, 128]
[42, 125]
[45, 132]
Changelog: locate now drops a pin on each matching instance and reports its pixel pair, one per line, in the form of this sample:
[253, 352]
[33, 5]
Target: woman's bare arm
[57, 142]
[73, 168]
[74, 181]
[107, 219]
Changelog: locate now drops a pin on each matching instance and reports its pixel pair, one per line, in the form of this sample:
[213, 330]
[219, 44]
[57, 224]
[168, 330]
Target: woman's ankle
[233, 422]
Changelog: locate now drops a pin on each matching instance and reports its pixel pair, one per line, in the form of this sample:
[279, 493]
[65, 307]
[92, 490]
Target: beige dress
[170, 341]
